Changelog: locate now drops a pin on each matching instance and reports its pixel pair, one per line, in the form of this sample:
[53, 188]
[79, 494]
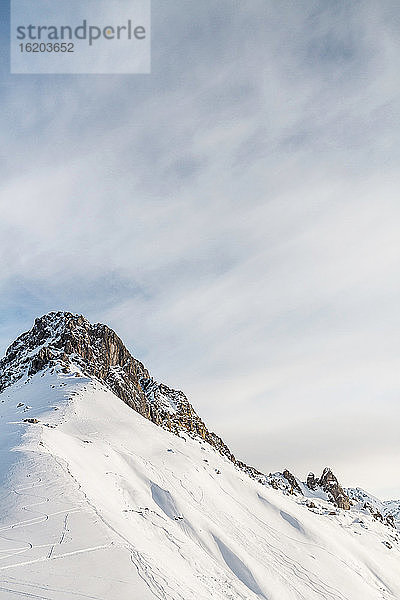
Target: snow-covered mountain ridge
[386, 511]
[61, 339]
[101, 501]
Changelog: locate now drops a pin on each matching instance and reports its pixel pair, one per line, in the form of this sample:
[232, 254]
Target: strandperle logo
[85, 31]
[80, 37]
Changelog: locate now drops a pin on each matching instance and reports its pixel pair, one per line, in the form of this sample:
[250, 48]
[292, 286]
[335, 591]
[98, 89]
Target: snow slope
[383, 509]
[99, 503]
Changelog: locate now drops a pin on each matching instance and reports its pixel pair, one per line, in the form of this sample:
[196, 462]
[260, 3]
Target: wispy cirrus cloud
[233, 216]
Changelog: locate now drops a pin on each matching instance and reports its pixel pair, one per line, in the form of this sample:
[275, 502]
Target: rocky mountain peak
[70, 343]
[62, 340]
[329, 483]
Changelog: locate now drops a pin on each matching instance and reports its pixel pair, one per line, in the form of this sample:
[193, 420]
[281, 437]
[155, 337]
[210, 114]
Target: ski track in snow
[28, 492]
[103, 505]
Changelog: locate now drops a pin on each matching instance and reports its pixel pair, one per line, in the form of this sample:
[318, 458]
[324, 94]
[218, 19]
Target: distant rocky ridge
[331, 486]
[387, 512]
[326, 487]
[69, 342]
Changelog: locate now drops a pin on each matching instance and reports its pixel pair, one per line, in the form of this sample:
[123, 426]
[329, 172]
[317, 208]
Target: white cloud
[234, 217]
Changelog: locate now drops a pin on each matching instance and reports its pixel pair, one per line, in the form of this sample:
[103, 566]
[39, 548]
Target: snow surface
[385, 507]
[99, 503]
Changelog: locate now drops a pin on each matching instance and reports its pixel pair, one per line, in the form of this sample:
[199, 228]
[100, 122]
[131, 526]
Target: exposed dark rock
[40, 361]
[390, 521]
[292, 481]
[312, 482]
[72, 345]
[378, 516]
[386, 512]
[331, 486]
[327, 483]
[70, 342]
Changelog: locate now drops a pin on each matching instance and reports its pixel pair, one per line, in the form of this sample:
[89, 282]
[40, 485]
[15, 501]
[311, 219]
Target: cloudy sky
[234, 216]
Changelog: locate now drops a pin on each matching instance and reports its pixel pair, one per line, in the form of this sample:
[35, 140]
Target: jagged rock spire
[327, 483]
[330, 484]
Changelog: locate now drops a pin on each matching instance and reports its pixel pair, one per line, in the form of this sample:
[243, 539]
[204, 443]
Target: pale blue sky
[234, 216]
